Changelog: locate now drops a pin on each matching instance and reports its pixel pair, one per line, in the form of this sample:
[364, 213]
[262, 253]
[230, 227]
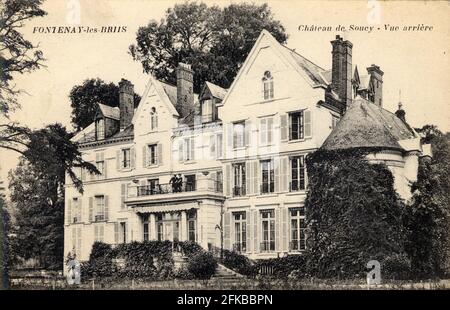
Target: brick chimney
[341, 76]
[126, 103]
[185, 92]
[377, 76]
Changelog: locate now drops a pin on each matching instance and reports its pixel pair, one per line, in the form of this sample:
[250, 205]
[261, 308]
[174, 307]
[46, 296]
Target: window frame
[298, 243]
[271, 227]
[270, 176]
[300, 125]
[300, 173]
[267, 86]
[241, 176]
[239, 135]
[152, 160]
[240, 231]
[99, 210]
[125, 163]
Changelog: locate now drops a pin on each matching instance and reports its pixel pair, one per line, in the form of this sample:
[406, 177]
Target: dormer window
[100, 129]
[153, 119]
[267, 81]
[207, 111]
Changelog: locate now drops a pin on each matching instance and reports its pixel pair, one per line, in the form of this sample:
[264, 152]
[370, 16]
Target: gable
[269, 55]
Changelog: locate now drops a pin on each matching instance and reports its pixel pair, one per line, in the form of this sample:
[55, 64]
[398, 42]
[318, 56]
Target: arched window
[267, 81]
[153, 119]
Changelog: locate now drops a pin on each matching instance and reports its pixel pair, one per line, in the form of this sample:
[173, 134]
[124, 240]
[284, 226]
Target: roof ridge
[296, 53]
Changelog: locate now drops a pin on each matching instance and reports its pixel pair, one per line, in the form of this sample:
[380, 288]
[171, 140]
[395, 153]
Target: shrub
[188, 248]
[239, 263]
[396, 267]
[100, 250]
[202, 265]
[284, 266]
[148, 259]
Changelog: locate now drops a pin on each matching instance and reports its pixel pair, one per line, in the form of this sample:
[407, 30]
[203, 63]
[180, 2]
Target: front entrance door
[168, 231]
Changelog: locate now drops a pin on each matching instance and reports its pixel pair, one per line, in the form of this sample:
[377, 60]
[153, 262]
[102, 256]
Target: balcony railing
[240, 247]
[239, 191]
[168, 188]
[267, 246]
[297, 245]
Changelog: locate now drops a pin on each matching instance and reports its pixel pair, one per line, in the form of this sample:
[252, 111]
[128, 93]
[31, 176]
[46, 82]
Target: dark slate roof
[216, 90]
[110, 112]
[366, 125]
[127, 132]
[311, 69]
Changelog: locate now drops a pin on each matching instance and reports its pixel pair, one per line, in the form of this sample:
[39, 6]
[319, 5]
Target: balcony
[203, 186]
[161, 189]
[267, 246]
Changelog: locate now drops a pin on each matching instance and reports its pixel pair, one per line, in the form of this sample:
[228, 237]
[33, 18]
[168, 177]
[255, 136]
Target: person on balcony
[179, 183]
[174, 182]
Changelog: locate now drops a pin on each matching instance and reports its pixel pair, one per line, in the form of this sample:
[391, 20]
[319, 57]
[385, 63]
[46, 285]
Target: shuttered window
[298, 173]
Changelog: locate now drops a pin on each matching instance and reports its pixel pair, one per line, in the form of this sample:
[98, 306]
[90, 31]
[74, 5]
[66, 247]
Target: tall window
[219, 145]
[146, 231]
[160, 230]
[267, 177]
[267, 81]
[238, 134]
[100, 129]
[153, 119]
[126, 158]
[239, 179]
[207, 111]
[152, 154]
[298, 173]
[265, 130]
[76, 210]
[188, 149]
[192, 224]
[268, 230]
[123, 232]
[101, 168]
[296, 126]
[240, 231]
[153, 187]
[298, 226]
[190, 182]
[99, 208]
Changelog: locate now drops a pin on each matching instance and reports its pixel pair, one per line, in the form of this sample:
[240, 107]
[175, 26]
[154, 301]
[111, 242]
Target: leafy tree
[4, 262]
[85, 96]
[353, 214]
[214, 41]
[37, 192]
[40, 215]
[428, 221]
[17, 54]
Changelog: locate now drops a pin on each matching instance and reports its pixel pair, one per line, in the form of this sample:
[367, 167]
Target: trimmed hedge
[151, 260]
[202, 265]
[239, 263]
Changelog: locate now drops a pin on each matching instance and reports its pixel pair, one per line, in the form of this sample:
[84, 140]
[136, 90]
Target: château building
[240, 153]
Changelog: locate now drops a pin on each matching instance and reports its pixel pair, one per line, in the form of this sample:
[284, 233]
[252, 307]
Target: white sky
[415, 62]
